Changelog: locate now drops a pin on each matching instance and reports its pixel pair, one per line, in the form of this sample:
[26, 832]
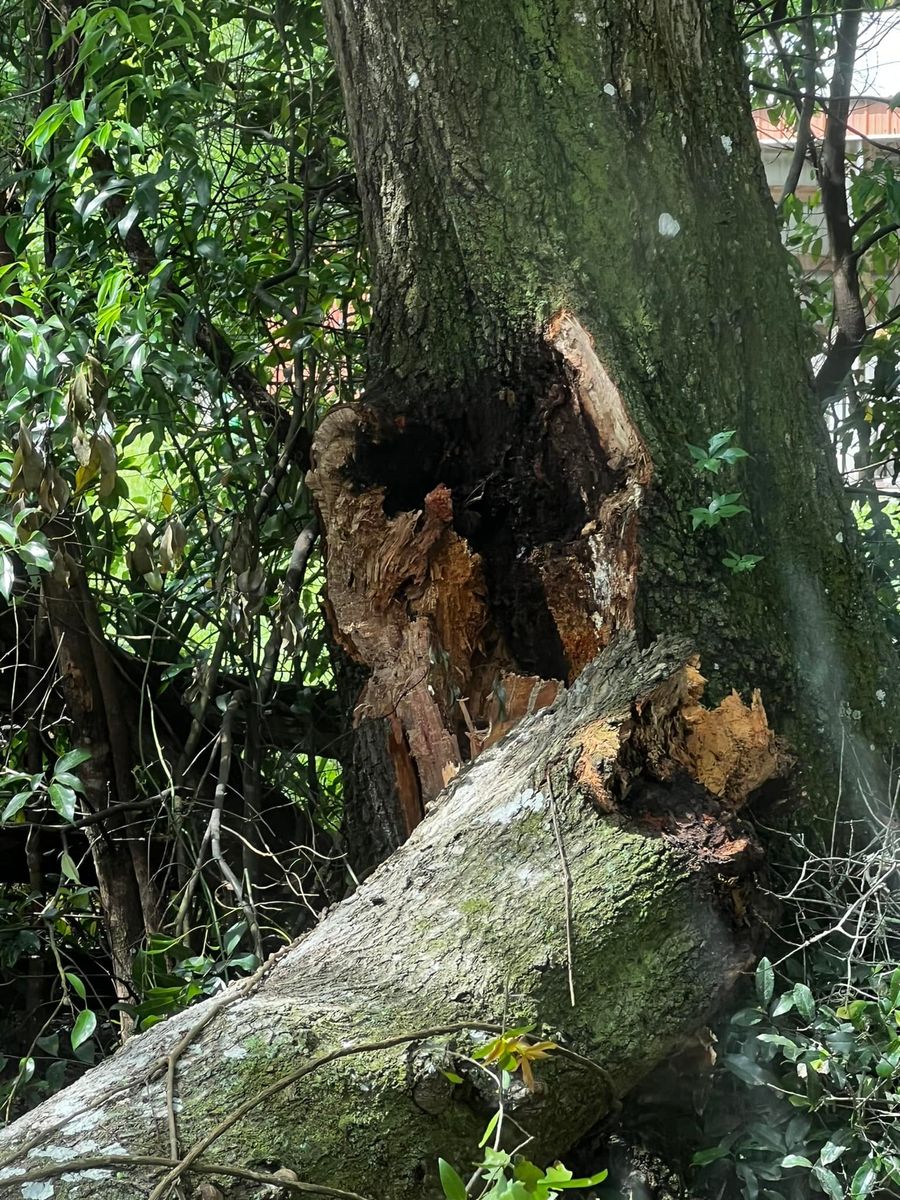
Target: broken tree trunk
[589, 874]
[577, 271]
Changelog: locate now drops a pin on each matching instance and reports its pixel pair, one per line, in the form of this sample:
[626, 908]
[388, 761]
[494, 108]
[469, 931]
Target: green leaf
[803, 999]
[720, 439]
[745, 1068]
[831, 1185]
[830, 1153]
[84, 1026]
[796, 1160]
[783, 1004]
[746, 1017]
[452, 1184]
[70, 781]
[703, 1157]
[452, 1076]
[63, 800]
[210, 249]
[586, 1182]
[864, 1180]
[765, 981]
[7, 576]
[37, 554]
[76, 108]
[68, 868]
[73, 759]
[732, 454]
[76, 985]
[526, 1172]
[15, 805]
[489, 1129]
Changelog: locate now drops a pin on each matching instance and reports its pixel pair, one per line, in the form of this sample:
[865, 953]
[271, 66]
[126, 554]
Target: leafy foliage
[823, 1079]
[183, 294]
[501, 1174]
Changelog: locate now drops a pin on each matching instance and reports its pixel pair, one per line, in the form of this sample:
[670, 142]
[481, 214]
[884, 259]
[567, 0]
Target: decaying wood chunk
[683, 769]
[430, 598]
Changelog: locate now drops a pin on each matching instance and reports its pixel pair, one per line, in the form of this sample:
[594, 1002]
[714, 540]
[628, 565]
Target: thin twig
[567, 888]
[98, 1162]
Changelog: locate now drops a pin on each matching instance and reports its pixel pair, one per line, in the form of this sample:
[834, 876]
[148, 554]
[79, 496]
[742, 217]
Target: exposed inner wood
[683, 770]
[482, 554]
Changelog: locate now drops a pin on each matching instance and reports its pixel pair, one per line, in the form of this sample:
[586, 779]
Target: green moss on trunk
[522, 156]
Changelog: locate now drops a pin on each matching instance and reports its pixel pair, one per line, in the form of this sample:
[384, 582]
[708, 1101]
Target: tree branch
[807, 108]
[870, 241]
[850, 317]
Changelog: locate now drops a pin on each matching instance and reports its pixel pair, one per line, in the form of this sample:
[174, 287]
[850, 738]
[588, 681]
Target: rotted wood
[480, 554]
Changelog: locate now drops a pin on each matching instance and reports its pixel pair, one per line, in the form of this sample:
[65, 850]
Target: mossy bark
[466, 923]
[521, 158]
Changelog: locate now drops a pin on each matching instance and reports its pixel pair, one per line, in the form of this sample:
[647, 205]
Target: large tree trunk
[577, 271]
[581, 876]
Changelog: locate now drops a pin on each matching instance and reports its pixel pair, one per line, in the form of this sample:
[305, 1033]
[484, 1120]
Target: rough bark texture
[468, 922]
[577, 271]
[102, 724]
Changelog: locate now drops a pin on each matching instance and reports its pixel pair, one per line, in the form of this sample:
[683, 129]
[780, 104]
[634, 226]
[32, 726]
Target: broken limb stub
[481, 553]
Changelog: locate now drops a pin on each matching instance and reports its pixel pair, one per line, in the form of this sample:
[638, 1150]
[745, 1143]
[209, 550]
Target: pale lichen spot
[683, 140]
[413, 80]
[580, 18]
[530, 875]
[727, 143]
[54, 1153]
[527, 801]
[40, 1190]
[234, 1052]
[610, 89]
[84, 1121]
[839, 537]
[668, 226]
[881, 696]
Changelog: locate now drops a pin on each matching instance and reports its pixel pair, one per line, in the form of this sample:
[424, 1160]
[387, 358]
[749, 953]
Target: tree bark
[471, 922]
[101, 724]
[577, 270]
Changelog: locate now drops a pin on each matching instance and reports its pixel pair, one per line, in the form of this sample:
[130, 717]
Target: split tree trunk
[577, 271]
[471, 922]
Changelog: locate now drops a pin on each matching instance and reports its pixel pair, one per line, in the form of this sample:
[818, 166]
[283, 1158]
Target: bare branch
[850, 317]
[807, 108]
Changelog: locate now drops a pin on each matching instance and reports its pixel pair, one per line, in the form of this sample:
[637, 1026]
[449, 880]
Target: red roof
[872, 119]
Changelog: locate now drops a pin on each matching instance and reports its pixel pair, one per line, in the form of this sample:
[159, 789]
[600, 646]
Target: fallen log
[589, 875]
